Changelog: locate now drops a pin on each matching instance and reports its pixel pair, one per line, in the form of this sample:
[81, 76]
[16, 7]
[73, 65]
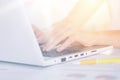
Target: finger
[56, 41]
[37, 31]
[39, 34]
[56, 38]
[66, 44]
[41, 39]
[35, 28]
[60, 33]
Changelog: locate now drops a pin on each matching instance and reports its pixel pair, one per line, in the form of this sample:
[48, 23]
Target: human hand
[58, 29]
[64, 35]
[40, 36]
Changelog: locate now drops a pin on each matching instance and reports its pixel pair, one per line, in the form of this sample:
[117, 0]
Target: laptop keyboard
[69, 50]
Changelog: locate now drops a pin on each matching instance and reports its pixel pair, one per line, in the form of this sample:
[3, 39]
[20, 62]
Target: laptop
[18, 43]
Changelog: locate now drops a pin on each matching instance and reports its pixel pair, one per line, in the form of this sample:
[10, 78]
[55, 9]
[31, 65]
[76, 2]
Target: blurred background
[43, 13]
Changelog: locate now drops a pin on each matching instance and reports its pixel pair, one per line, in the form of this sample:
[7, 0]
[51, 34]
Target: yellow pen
[101, 61]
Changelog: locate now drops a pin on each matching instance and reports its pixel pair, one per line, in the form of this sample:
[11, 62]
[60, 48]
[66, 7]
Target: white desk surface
[65, 71]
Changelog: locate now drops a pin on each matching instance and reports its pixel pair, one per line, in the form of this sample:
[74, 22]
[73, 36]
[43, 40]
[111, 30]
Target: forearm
[109, 38]
[83, 10]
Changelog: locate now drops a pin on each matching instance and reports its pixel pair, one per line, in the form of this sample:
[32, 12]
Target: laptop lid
[17, 40]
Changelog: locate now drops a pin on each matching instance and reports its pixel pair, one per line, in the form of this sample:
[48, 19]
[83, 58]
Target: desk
[65, 71]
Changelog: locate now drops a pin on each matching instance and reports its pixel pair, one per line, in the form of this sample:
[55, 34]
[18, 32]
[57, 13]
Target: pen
[101, 61]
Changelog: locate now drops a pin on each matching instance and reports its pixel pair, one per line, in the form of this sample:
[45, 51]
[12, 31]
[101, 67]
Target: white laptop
[18, 43]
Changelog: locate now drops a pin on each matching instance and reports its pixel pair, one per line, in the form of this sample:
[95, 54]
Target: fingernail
[59, 49]
[47, 49]
[44, 49]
